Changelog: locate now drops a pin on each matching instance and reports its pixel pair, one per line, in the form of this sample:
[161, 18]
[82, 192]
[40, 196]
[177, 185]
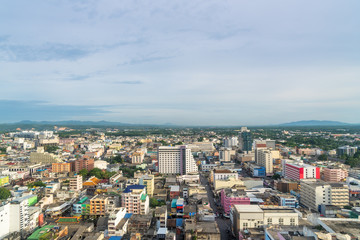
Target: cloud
[45, 52]
[145, 60]
[40, 110]
[128, 82]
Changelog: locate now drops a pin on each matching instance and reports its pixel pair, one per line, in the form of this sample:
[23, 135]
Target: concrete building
[346, 150]
[135, 199]
[223, 174]
[101, 205]
[245, 140]
[253, 216]
[61, 167]
[298, 171]
[101, 164]
[137, 157]
[85, 163]
[76, 183]
[149, 183]
[335, 174]
[115, 218]
[264, 158]
[225, 154]
[313, 193]
[176, 160]
[231, 197]
[230, 142]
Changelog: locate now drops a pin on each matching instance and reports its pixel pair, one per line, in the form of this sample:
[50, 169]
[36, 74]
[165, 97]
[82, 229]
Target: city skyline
[186, 63]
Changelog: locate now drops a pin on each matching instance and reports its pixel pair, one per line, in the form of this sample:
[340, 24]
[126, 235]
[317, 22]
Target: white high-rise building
[177, 160]
[264, 158]
[230, 142]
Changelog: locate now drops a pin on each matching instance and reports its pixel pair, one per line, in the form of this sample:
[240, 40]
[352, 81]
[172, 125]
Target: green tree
[36, 184]
[276, 176]
[4, 193]
[97, 173]
[200, 139]
[116, 159]
[84, 173]
[323, 157]
[51, 149]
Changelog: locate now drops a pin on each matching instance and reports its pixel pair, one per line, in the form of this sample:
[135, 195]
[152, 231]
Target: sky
[192, 62]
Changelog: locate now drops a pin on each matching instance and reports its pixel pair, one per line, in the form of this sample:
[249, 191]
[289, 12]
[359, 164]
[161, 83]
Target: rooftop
[248, 208]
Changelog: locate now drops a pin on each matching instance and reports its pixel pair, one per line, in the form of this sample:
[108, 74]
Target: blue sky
[182, 62]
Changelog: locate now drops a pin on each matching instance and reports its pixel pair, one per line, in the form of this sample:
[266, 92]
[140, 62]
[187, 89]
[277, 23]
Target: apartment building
[314, 192]
[137, 157]
[61, 167]
[176, 160]
[135, 199]
[264, 158]
[101, 205]
[75, 183]
[149, 183]
[115, 217]
[335, 174]
[85, 163]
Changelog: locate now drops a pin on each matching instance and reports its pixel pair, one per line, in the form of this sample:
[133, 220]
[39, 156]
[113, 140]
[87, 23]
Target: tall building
[335, 174]
[137, 157]
[346, 150]
[85, 163]
[225, 154]
[177, 160]
[135, 199]
[148, 181]
[265, 159]
[229, 142]
[101, 205]
[299, 171]
[76, 183]
[245, 140]
[115, 218]
[315, 192]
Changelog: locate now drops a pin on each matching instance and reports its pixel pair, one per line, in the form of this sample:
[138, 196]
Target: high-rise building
[135, 199]
[85, 163]
[314, 192]
[245, 140]
[177, 160]
[230, 142]
[298, 170]
[265, 159]
[225, 154]
[346, 150]
[148, 181]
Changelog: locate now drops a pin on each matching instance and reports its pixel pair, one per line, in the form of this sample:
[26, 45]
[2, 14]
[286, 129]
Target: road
[224, 224]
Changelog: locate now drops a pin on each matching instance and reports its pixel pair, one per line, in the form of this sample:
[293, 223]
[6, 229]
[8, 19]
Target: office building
[346, 150]
[225, 154]
[245, 140]
[298, 170]
[176, 160]
[265, 159]
[314, 192]
[230, 142]
[135, 199]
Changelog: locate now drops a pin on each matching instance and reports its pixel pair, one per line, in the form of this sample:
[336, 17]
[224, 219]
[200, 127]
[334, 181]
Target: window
[245, 225]
[269, 221]
[281, 221]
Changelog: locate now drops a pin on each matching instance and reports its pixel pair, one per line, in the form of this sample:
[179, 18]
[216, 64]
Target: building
[76, 183]
[176, 160]
[335, 174]
[161, 216]
[4, 180]
[92, 182]
[231, 197]
[115, 218]
[61, 167]
[225, 154]
[265, 159]
[135, 199]
[137, 157]
[245, 140]
[149, 183]
[85, 163]
[101, 164]
[101, 205]
[253, 216]
[313, 193]
[299, 171]
[346, 150]
[223, 174]
[230, 142]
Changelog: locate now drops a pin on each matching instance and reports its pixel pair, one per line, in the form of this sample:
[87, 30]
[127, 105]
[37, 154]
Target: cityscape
[180, 120]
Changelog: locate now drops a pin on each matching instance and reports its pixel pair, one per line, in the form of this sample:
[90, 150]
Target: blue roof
[128, 215]
[129, 188]
[115, 238]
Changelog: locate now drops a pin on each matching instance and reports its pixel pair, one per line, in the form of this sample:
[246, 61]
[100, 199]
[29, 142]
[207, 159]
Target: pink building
[334, 175]
[230, 197]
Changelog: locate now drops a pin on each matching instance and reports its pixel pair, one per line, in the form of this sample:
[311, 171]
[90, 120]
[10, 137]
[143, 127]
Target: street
[224, 224]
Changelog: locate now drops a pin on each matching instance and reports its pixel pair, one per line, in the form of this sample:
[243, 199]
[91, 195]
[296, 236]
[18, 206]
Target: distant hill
[314, 123]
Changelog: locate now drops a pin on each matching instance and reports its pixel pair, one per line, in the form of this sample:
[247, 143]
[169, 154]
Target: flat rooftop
[344, 227]
[248, 208]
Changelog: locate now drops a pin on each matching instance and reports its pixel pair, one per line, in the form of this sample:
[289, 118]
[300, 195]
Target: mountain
[314, 123]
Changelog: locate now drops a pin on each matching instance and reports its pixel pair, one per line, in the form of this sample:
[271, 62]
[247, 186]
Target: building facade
[335, 174]
[176, 160]
[135, 199]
